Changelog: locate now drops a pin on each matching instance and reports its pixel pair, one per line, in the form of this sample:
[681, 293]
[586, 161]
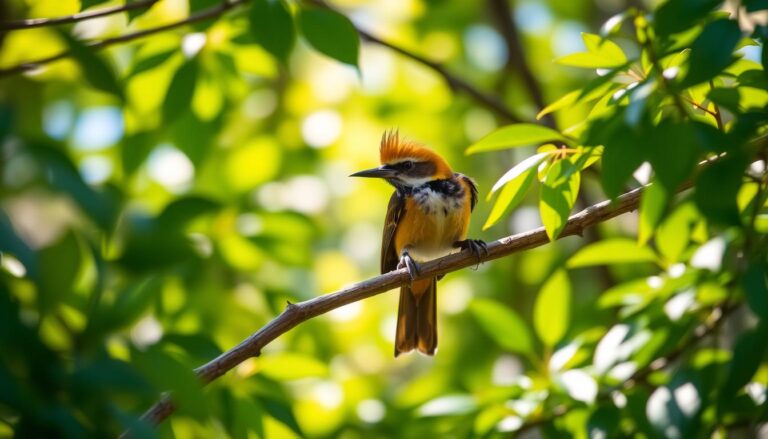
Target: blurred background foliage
[164, 196]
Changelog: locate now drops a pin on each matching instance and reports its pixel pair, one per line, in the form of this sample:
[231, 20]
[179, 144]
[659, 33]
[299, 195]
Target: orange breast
[429, 231]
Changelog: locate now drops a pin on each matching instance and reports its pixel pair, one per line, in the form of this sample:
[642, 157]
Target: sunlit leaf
[512, 136]
[503, 325]
[519, 169]
[652, 206]
[331, 34]
[674, 233]
[272, 27]
[712, 51]
[558, 195]
[511, 196]
[602, 53]
[612, 251]
[565, 101]
[551, 314]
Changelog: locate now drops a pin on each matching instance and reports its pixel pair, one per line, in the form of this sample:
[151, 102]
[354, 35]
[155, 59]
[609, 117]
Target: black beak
[380, 172]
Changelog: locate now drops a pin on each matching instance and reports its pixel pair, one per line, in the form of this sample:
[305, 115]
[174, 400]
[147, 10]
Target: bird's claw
[406, 261]
[478, 247]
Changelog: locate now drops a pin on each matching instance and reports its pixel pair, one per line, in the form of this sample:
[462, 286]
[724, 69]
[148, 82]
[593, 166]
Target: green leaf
[512, 136]
[602, 53]
[60, 266]
[674, 234]
[679, 15]
[565, 101]
[755, 290]
[511, 196]
[96, 70]
[503, 325]
[717, 187]
[551, 314]
[272, 27]
[331, 34]
[101, 205]
[652, 206]
[712, 51]
[623, 154]
[612, 251]
[673, 153]
[520, 169]
[135, 149]
[728, 98]
[748, 353]
[282, 411]
[558, 195]
[755, 5]
[167, 373]
[151, 62]
[178, 98]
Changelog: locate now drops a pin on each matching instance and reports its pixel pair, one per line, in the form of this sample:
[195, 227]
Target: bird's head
[407, 164]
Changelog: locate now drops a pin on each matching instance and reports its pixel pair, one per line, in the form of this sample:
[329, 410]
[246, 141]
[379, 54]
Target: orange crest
[394, 149]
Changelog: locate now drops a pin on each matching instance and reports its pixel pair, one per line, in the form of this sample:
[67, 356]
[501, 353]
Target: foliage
[163, 198]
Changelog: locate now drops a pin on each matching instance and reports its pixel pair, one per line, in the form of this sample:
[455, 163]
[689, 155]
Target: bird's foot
[478, 247]
[406, 261]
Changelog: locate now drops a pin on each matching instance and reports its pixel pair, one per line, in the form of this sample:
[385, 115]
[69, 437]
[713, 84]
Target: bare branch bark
[30, 23]
[297, 313]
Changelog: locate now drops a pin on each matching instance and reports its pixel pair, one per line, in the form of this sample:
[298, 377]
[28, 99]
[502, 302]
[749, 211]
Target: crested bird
[427, 217]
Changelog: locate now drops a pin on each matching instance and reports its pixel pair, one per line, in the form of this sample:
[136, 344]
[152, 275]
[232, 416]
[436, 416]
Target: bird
[427, 217]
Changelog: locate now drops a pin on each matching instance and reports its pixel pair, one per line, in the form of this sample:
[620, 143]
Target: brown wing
[472, 188]
[389, 256]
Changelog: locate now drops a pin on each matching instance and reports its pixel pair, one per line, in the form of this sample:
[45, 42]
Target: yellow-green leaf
[511, 196]
[512, 136]
[558, 195]
[601, 53]
[612, 251]
[503, 325]
[551, 314]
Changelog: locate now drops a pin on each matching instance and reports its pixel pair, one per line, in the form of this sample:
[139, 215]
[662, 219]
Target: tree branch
[456, 83]
[516, 62]
[203, 15]
[297, 313]
[453, 81]
[30, 23]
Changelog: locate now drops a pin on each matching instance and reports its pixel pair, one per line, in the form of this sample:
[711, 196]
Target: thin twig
[717, 114]
[456, 83]
[29, 23]
[503, 16]
[297, 313]
[203, 15]
[453, 81]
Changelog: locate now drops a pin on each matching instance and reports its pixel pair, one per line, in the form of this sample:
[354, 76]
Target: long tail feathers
[417, 318]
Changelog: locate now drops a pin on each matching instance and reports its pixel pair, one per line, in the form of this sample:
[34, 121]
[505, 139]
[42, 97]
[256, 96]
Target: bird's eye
[408, 164]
